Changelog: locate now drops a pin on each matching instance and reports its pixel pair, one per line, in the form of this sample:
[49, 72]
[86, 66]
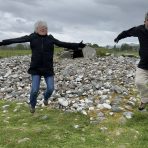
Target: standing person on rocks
[141, 79]
[42, 47]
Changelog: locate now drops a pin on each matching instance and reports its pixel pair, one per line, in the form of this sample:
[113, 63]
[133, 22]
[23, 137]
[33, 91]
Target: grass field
[49, 128]
[100, 52]
[10, 52]
[13, 52]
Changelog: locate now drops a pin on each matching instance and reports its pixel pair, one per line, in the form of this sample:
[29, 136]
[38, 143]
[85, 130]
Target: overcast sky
[93, 21]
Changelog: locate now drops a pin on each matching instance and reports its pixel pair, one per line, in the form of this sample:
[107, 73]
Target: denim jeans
[36, 85]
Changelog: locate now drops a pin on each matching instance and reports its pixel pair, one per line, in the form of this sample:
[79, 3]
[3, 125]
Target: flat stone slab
[89, 52]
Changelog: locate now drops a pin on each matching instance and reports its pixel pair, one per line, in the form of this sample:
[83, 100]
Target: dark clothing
[42, 52]
[142, 33]
[78, 54]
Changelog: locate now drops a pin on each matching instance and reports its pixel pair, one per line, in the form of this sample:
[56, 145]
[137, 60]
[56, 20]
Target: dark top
[42, 52]
[142, 33]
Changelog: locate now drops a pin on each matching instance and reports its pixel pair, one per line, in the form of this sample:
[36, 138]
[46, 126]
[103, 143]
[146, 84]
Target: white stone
[91, 108]
[105, 105]
[100, 106]
[84, 112]
[63, 102]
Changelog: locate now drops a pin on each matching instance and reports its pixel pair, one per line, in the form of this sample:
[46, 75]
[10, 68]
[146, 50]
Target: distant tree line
[123, 47]
[16, 47]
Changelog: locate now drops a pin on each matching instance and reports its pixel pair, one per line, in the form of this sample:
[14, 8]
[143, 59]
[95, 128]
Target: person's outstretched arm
[67, 45]
[22, 39]
[127, 33]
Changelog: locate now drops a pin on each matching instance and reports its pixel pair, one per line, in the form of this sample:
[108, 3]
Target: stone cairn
[96, 87]
[86, 52]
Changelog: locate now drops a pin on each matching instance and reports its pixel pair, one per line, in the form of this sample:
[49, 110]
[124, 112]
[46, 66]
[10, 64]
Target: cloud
[95, 21]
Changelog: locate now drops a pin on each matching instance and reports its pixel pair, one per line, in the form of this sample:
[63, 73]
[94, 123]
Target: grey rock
[89, 52]
[128, 115]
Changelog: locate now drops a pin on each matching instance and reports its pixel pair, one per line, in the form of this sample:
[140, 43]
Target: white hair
[39, 23]
[146, 15]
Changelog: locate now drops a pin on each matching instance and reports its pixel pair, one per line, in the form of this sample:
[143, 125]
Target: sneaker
[142, 106]
[32, 109]
[45, 102]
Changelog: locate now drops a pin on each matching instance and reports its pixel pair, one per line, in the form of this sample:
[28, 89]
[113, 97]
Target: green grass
[58, 131]
[13, 52]
[103, 52]
[100, 52]
[126, 52]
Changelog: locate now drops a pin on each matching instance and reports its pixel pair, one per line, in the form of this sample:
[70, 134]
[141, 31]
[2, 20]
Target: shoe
[142, 106]
[32, 109]
[45, 102]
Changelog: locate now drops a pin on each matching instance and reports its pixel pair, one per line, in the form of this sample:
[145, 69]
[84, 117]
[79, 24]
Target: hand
[116, 40]
[82, 45]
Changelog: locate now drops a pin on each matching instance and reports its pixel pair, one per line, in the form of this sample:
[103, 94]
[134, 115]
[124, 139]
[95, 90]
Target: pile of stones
[98, 87]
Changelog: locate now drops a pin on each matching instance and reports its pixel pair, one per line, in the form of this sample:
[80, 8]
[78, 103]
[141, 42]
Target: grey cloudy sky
[93, 21]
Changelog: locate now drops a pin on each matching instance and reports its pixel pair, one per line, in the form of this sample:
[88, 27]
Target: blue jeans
[36, 85]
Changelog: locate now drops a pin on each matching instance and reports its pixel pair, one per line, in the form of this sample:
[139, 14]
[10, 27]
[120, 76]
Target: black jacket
[42, 51]
[142, 33]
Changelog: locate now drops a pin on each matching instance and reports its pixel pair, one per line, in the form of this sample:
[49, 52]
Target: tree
[95, 45]
[22, 47]
[125, 47]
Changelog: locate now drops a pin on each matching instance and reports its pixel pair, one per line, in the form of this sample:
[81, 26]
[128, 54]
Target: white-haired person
[42, 46]
[141, 79]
